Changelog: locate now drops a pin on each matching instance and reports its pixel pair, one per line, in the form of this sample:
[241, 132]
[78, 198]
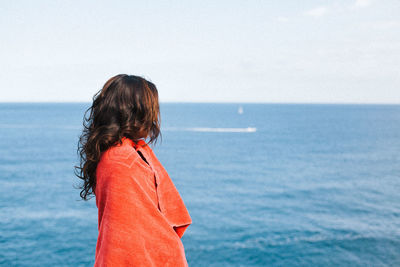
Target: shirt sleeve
[132, 230]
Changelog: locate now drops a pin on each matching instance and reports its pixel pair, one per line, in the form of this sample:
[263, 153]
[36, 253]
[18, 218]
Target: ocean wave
[21, 214]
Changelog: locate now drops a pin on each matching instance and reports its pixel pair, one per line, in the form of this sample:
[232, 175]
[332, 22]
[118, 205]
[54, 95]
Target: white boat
[240, 110]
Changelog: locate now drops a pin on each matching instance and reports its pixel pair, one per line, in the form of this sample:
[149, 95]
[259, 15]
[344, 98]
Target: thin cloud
[386, 24]
[362, 3]
[316, 12]
[282, 19]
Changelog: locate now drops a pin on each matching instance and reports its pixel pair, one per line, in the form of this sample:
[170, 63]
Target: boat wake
[210, 129]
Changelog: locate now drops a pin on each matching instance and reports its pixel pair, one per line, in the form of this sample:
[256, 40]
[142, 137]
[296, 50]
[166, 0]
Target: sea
[265, 184]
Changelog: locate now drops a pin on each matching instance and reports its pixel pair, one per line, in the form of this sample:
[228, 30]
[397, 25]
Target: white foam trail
[209, 129]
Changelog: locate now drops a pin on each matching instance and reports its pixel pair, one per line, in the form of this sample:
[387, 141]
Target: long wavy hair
[126, 106]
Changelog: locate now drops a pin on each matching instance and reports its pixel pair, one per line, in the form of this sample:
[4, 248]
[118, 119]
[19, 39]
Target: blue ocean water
[314, 185]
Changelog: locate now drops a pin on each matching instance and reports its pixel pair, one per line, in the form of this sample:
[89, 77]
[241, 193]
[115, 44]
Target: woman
[141, 216]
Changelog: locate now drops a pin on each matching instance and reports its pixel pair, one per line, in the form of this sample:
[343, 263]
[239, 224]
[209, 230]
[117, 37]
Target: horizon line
[213, 102]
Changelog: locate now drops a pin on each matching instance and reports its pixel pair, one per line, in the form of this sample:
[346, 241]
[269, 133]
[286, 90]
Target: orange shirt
[141, 216]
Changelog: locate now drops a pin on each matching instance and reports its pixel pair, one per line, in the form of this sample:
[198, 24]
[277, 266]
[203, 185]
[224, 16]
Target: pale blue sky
[203, 51]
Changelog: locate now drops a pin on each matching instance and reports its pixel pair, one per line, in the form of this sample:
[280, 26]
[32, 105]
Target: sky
[203, 51]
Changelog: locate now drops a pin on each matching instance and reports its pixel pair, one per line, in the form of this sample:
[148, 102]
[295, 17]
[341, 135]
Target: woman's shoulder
[120, 155]
[121, 165]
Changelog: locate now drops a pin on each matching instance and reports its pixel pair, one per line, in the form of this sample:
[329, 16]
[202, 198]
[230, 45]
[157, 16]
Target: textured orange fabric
[141, 216]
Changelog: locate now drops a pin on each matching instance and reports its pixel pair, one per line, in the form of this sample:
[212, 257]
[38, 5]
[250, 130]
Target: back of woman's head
[126, 106]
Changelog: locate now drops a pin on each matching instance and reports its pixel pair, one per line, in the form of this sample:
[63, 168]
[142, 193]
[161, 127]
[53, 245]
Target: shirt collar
[139, 143]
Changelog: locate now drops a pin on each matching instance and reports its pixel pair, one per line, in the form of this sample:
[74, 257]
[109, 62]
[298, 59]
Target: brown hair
[126, 106]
